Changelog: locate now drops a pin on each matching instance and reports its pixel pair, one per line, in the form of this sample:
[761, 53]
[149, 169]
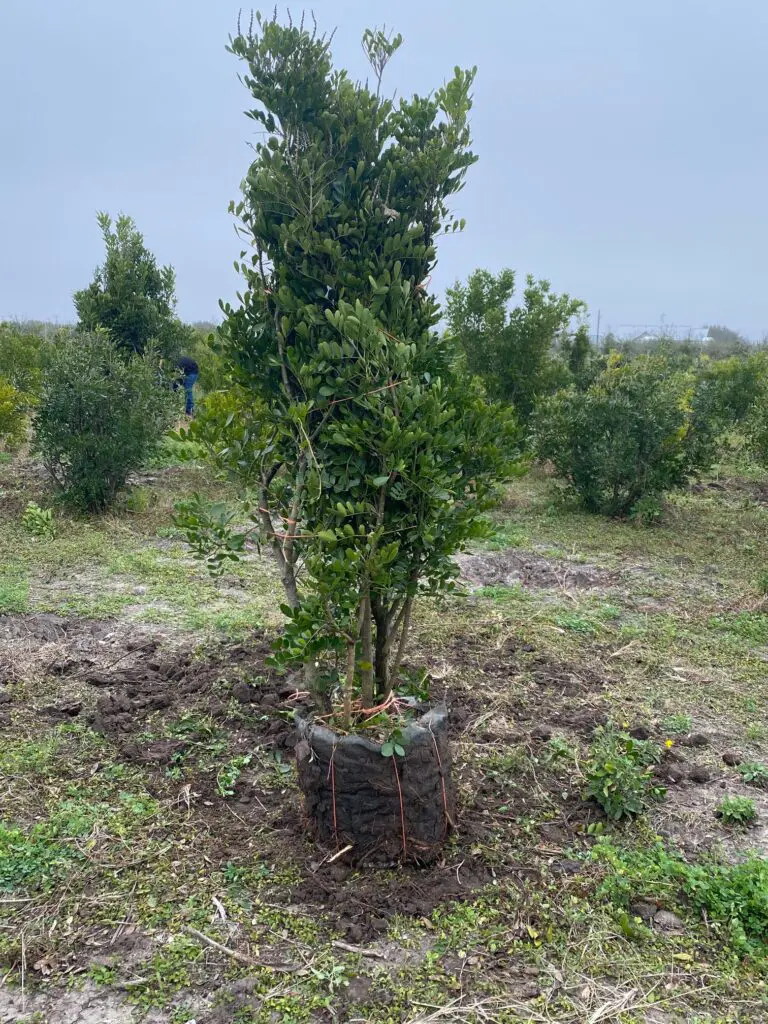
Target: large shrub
[22, 355]
[375, 461]
[100, 417]
[13, 420]
[637, 431]
[755, 425]
[735, 385]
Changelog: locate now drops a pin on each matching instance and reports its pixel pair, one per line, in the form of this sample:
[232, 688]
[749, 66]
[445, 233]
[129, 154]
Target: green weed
[38, 521]
[619, 775]
[733, 896]
[14, 595]
[754, 774]
[229, 773]
[576, 624]
[737, 811]
[677, 725]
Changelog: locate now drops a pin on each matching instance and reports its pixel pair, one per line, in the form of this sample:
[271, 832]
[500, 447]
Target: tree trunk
[366, 669]
[287, 566]
[405, 629]
[349, 681]
[319, 696]
[381, 651]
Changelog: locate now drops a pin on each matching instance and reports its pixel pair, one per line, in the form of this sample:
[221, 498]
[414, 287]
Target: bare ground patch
[514, 567]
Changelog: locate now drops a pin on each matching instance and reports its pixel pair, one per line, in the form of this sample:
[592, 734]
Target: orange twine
[332, 776]
[442, 783]
[402, 807]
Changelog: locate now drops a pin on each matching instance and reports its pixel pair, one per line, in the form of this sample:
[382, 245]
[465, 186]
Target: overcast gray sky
[623, 146]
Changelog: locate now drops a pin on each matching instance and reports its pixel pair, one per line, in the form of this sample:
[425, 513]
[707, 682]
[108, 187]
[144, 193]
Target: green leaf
[387, 749]
[379, 481]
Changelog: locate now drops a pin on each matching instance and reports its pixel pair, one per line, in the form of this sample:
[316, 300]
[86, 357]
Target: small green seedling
[677, 725]
[557, 750]
[229, 773]
[754, 774]
[395, 744]
[737, 811]
[39, 521]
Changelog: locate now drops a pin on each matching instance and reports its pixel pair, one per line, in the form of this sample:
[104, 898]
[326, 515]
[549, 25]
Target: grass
[130, 563]
[100, 844]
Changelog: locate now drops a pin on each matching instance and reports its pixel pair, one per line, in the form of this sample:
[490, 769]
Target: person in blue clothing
[189, 373]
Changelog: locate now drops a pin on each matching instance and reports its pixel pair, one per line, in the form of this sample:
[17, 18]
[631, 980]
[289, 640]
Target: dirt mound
[32, 646]
[508, 568]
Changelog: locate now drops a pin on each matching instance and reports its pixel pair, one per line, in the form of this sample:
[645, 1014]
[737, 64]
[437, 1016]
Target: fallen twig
[243, 959]
[349, 948]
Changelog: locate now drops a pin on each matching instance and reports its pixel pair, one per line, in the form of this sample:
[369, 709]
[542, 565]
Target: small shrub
[101, 415]
[619, 772]
[38, 521]
[636, 432]
[754, 774]
[13, 407]
[755, 732]
[734, 897]
[647, 510]
[139, 500]
[737, 810]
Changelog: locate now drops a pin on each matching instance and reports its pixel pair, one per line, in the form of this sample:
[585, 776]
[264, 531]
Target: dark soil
[134, 687]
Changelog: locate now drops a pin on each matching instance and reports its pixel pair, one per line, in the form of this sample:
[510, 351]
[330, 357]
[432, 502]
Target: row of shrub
[640, 427]
[625, 432]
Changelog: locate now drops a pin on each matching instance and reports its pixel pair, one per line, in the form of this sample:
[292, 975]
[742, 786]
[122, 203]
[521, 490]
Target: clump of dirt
[508, 568]
[37, 645]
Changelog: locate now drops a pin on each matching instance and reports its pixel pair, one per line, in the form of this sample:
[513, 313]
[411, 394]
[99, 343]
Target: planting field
[154, 860]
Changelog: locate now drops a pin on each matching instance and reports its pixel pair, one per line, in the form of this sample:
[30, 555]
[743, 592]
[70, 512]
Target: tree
[376, 460]
[724, 341]
[576, 350]
[130, 296]
[512, 349]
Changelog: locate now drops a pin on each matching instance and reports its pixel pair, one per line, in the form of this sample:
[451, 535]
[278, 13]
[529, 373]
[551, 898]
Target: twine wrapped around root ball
[384, 807]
